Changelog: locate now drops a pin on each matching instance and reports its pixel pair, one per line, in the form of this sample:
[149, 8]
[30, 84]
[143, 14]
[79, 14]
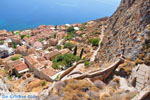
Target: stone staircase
[141, 76]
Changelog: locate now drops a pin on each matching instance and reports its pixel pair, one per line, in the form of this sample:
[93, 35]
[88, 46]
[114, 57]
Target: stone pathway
[96, 51]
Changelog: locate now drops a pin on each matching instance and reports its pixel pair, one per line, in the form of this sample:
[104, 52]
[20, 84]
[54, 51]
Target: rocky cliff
[127, 33]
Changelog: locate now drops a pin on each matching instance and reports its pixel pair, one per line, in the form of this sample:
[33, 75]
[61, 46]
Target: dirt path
[99, 46]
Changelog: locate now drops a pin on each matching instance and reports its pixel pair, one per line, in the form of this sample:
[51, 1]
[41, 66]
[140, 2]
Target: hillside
[127, 33]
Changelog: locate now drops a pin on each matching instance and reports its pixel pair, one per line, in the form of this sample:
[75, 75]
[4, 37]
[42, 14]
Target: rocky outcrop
[127, 31]
[3, 86]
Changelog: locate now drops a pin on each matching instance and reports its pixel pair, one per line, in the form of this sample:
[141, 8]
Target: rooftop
[49, 71]
[21, 67]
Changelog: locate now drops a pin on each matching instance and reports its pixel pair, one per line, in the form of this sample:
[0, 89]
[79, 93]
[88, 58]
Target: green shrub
[10, 77]
[71, 29]
[19, 75]
[14, 45]
[83, 26]
[6, 72]
[71, 33]
[86, 63]
[59, 65]
[17, 33]
[43, 83]
[95, 33]
[28, 36]
[57, 77]
[58, 47]
[94, 41]
[64, 60]
[41, 40]
[22, 36]
[2, 42]
[15, 58]
[69, 45]
[70, 36]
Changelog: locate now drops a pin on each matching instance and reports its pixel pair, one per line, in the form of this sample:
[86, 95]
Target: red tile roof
[12, 64]
[21, 67]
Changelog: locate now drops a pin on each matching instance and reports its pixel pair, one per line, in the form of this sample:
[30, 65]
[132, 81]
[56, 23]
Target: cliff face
[127, 32]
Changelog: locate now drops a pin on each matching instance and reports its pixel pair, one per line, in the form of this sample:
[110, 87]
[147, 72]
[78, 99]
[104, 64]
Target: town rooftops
[21, 66]
[12, 64]
[53, 42]
[16, 38]
[46, 63]
[21, 49]
[3, 38]
[26, 39]
[31, 59]
[49, 71]
[41, 58]
[38, 66]
[31, 51]
[78, 32]
[37, 45]
[51, 55]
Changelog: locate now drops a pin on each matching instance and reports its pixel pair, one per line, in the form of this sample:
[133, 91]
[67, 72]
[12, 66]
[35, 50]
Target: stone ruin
[140, 77]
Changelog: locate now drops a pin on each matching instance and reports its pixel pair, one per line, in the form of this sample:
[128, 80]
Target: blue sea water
[25, 14]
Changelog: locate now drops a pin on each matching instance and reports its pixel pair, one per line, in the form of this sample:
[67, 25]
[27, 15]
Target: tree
[14, 45]
[19, 75]
[64, 61]
[75, 51]
[69, 45]
[94, 41]
[86, 63]
[81, 53]
[22, 36]
[70, 36]
[70, 29]
[58, 47]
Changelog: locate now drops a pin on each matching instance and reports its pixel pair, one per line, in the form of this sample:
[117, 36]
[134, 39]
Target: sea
[27, 14]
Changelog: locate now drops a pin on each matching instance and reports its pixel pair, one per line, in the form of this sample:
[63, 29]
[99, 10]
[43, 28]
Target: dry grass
[76, 90]
[36, 86]
[127, 66]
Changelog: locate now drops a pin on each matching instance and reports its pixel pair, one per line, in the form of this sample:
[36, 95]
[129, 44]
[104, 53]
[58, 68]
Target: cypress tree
[75, 51]
[81, 53]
